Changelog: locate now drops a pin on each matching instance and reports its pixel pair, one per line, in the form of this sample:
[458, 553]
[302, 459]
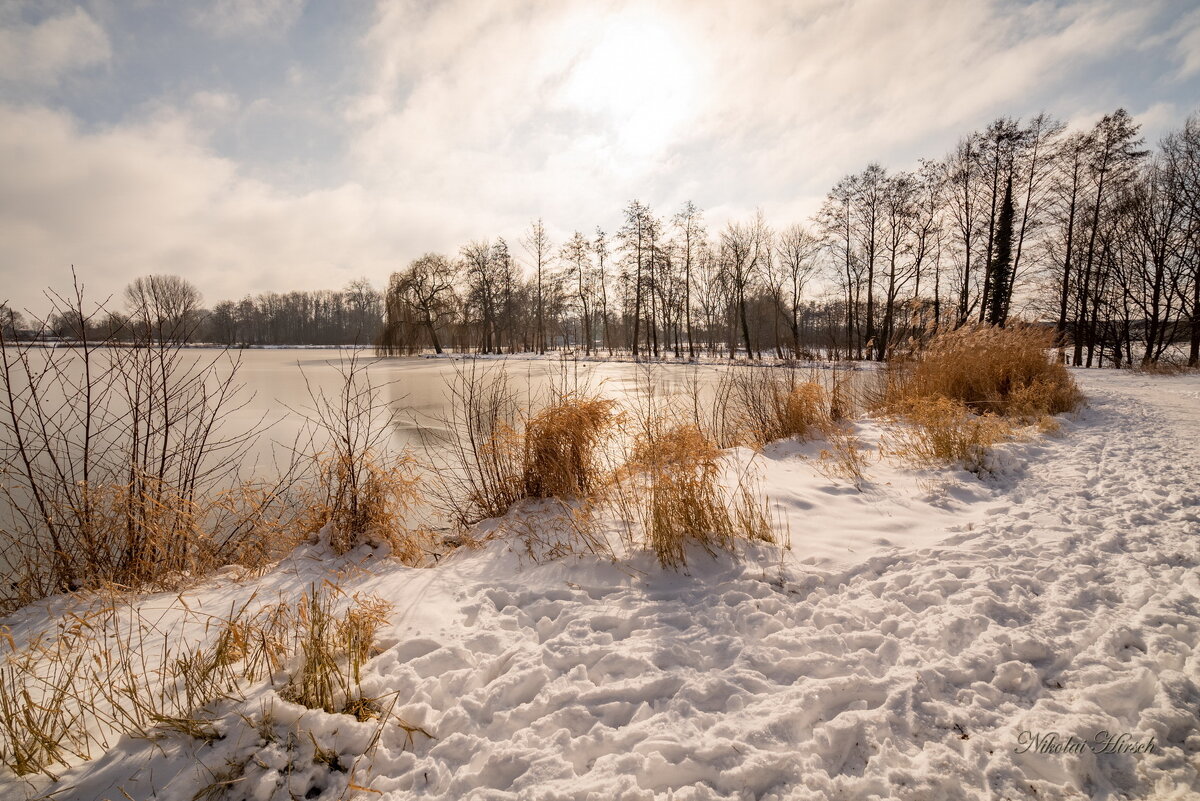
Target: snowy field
[909, 645]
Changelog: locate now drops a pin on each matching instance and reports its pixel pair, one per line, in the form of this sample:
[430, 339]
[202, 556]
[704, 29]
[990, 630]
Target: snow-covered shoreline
[913, 634]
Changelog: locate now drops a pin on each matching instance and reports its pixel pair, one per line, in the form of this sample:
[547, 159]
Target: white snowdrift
[901, 649]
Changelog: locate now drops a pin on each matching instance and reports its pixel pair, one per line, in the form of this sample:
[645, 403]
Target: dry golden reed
[1001, 371]
[98, 674]
[943, 431]
[561, 443]
[501, 452]
[363, 500]
[683, 501]
[756, 406]
[968, 388]
[332, 650]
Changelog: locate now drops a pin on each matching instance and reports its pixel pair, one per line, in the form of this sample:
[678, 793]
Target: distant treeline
[1087, 231]
[352, 316]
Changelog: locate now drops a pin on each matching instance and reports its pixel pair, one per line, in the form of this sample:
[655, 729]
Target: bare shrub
[363, 491]
[681, 500]
[1001, 371]
[481, 472]
[944, 431]
[755, 406]
[114, 454]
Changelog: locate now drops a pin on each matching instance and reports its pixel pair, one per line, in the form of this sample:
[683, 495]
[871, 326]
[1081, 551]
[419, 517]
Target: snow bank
[916, 635]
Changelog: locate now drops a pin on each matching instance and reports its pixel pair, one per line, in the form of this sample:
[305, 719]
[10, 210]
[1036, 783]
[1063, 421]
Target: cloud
[232, 18]
[151, 198]
[468, 119]
[42, 54]
[568, 110]
[1188, 46]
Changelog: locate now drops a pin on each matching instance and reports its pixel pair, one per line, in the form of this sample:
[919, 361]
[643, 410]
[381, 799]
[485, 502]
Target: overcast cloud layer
[267, 144]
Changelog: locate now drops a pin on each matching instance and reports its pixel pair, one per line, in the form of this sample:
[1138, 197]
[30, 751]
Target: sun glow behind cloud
[640, 79]
[358, 136]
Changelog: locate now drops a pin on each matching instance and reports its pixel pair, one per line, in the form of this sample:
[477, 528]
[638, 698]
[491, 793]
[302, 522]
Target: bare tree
[537, 245]
[166, 307]
[690, 226]
[11, 321]
[600, 248]
[1036, 164]
[746, 252]
[899, 199]
[1182, 149]
[962, 192]
[797, 249]
[1112, 156]
[636, 236]
[483, 297]
[576, 255]
[365, 310]
[423, 294]
[837, 225]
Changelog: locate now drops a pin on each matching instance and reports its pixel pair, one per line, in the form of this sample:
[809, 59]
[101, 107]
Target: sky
[270, 145]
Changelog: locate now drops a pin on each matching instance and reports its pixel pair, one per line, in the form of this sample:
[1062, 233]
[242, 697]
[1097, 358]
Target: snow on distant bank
[930, 637]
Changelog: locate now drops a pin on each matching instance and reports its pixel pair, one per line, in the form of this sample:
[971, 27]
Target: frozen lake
[276, 387]
[418, 390]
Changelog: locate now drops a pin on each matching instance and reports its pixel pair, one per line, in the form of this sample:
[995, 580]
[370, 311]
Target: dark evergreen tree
[1000, 274]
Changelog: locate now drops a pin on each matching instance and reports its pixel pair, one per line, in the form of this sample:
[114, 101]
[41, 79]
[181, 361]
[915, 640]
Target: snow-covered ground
[909, 645]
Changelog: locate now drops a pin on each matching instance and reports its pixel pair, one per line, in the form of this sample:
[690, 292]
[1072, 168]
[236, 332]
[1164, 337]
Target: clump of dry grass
[944, 431]
[364, 501]
[755, 406]
[683, 502]
[257, 523]
[805, 410]
[39, 726]
[844, 458]
[502, 451]
[963, 392]
[93, 677]
[332, 649]
[999, 371]
[561, 444]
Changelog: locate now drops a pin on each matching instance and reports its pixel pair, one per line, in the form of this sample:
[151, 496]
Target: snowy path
[1073, 609]
[1072, 606]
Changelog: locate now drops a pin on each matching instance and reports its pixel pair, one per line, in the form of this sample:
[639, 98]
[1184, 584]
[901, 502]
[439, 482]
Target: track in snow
[1074, 607]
